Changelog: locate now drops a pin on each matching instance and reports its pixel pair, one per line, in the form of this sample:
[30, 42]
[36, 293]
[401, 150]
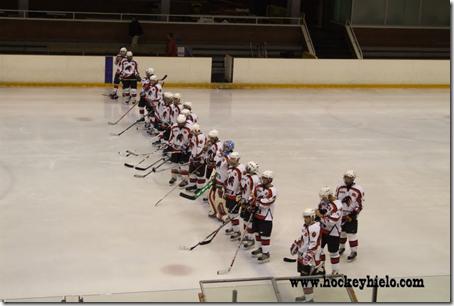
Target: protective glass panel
[403, 12]
[436, 13]
[368, 12]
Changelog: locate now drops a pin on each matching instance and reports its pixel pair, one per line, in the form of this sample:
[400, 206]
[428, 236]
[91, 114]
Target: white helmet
[177, 95]
[181, 118]
[350, 173]
[123, 50]
[168, 95]
[195, 128]
[268, 174]
[153, 77]
[187, 105]
[129, 54]
[309, 212]
[252, 167]
[325, 192]
[149, 71]
[213, 134]
[185, 112]
[234, 155]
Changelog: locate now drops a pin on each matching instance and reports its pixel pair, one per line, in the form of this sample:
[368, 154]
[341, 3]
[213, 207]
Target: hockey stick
[171, 167]
[147, 155]
[173, 188]
[149, 166]
[225, 271]
[146, 174]
[158, 166]
[119, 119]
[140, 120]
[163, 78]
[288, 259]
[205, 241]
[198, 193]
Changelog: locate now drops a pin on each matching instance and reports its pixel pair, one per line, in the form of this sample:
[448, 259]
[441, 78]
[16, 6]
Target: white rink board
[335, 71]
[91, 69]
[51, 68]
[178, 69]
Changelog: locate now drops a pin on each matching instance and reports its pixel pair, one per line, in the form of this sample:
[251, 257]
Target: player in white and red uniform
[120, 56]
[232, 194]
[308, 249]
[178, 145]
[329, 213]
[249, 181]
[129, 74]
[213, 145]
[352, 197]
[264, 197]
[162, 117]
[175, 108]
[191, 116]
[221, 176]
[146, 87]
[196, 160]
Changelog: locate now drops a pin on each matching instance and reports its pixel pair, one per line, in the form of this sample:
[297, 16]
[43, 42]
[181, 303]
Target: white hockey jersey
[264, 201]
[310, 244]
[222, 167]
[129, 69]
[197, 146]
[352, 199]
[211, 153]
[248, 184]
[174, 112]
[233, 182]
[179, 137]
[332, 219]
[117, 62]
[192, 117]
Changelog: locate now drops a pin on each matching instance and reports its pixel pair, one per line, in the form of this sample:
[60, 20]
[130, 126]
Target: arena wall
[334, 71]
[247, 72]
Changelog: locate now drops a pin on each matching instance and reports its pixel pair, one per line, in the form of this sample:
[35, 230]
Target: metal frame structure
[273, 280]
[307, 37]
[353, 40]
[152, 18]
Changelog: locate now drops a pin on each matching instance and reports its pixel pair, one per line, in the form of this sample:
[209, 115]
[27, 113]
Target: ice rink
[74, 220]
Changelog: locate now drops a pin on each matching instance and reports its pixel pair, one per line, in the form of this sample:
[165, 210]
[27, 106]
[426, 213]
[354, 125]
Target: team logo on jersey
[231, 180]
[180, 137]
[314, 234]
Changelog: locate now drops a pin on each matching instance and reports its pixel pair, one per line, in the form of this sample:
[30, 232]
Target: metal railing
[168, 18]
[307, 37]
[353, 40]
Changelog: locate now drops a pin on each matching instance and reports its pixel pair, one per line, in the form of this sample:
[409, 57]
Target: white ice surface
[74, 220]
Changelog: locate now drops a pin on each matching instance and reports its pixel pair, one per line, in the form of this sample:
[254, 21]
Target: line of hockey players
[237, 191]
[333, 223]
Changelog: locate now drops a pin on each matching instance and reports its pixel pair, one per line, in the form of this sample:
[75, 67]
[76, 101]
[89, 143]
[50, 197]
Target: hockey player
[145, 92]
[120, 56]
[249, 181]
[352, 197]
[220, 177]
[178, 145]
[264, 197]
[175, 108]
[192, 116]
[196, 161]
[329, 213]
[129, 75]
[162, 118]
[232, 194]
[187, 113]
[308, 249]
[213, 145]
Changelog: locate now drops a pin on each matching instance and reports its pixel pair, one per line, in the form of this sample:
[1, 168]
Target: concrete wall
[327, 71]
[91, 69]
